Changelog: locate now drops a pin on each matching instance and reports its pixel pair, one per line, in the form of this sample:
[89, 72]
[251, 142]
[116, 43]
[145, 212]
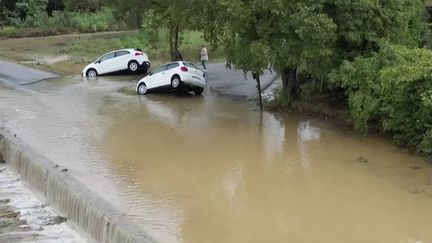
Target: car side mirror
[150, 73]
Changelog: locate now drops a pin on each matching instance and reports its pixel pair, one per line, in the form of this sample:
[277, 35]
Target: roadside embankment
[94, 217]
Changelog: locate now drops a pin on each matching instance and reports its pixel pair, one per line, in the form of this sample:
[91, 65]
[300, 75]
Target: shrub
[91, 22]
[65, 22]
[393, 90]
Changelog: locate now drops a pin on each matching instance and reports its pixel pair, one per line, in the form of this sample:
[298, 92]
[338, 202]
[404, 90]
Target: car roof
[128, 49]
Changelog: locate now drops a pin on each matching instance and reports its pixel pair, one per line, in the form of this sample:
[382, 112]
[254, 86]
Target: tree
[308, 36]
[86, 5]
[132, 10]
[7, 8]
[363, 24]
[289, 35]
[55, 5]
[175, 16]
[32, 8]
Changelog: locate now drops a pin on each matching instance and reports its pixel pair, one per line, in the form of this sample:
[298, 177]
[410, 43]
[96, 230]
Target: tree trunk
[139, 20]
[171, 42]
[257, 78]
[176, 36]
[290, 83]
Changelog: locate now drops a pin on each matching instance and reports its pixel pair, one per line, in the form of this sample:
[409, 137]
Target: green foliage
[64, 21]
[31, 8]
[131, 11]
[362, 24]
[87, 5]
[393, 89]
[101, 20]
[151, 28]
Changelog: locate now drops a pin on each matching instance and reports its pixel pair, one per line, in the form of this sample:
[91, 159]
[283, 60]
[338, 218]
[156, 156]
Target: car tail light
[139, 53]
[184, 69]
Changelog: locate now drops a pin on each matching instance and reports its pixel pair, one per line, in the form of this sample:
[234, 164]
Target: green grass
[89, 49]
[62, 22]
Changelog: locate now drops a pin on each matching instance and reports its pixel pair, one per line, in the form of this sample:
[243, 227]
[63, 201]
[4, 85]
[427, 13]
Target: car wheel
[91, 73]
[142, 89]
[133, 66]
[198, 90]
[175, 82]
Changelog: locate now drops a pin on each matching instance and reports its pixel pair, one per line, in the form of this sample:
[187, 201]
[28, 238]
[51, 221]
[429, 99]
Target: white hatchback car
[126, 59]
[179, 75]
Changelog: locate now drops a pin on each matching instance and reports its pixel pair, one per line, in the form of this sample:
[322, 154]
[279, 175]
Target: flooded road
[211, 169]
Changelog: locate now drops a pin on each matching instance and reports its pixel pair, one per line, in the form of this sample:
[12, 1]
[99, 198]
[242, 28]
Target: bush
[392, 90]
[92, 22]
[64, 22]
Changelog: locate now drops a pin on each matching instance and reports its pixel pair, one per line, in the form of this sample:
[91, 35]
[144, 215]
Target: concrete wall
[93, 216]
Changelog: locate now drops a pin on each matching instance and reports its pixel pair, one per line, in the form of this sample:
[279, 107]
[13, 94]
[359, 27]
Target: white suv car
[173, 76]
[132, 59]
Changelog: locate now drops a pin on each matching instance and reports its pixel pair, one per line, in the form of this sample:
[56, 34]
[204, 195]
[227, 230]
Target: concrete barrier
[91, 215]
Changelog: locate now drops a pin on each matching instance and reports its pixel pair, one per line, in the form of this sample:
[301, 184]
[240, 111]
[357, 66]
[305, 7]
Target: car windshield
[173, 65]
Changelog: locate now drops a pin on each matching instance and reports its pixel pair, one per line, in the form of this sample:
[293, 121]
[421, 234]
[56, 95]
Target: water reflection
[306, 134]
[232, 180]
[273, 133]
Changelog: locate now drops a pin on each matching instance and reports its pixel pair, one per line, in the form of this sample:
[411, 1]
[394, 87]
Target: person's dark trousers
[204, 65]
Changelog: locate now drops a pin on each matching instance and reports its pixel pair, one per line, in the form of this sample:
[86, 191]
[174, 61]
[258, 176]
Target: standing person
[204, 57]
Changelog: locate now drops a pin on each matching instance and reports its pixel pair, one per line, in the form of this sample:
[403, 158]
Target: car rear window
[189, 64]
[173, 65]
[121, 53]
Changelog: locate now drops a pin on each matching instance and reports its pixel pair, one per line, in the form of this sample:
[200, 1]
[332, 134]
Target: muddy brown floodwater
[211, 169]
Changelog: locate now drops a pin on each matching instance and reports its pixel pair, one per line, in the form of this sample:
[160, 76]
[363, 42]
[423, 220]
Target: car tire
[176, 82]
[91, 73]
[146, 67]
[198, 90]
[133, 66]
[142, 89]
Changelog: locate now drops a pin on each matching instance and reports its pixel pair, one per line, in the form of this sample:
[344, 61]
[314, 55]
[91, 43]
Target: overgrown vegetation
[62, 22]
[391, 91]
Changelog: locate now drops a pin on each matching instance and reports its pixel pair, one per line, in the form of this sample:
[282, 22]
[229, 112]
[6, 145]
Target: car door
[106, 63]
[155, 77]
[121, 60]
[171, 70]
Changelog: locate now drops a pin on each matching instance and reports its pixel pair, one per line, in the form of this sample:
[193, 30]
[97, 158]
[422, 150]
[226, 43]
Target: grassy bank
[91, 49]
[68, 54]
